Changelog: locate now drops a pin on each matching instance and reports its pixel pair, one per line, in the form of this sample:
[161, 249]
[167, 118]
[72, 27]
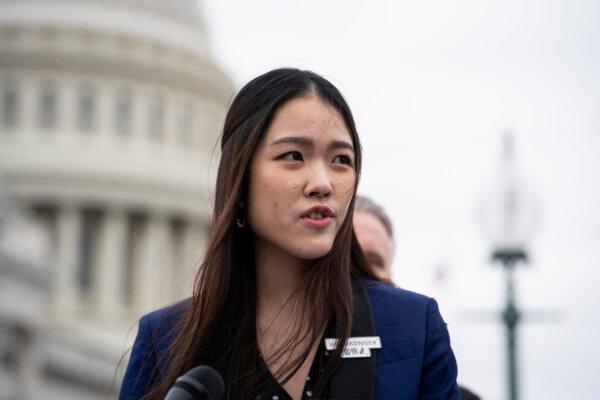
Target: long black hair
[218, 327]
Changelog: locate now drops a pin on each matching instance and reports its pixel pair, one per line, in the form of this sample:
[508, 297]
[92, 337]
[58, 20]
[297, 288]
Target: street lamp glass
[509, 209]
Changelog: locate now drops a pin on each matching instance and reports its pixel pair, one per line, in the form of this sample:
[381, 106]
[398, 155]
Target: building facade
[109, 115]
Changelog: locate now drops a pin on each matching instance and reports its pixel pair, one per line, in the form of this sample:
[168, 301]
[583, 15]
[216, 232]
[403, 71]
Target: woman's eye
[342, 159]
[292, 156]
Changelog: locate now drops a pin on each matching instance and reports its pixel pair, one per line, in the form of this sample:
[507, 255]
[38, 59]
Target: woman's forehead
[309, 117]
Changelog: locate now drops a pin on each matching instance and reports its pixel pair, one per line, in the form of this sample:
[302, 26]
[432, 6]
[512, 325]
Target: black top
[316, 369]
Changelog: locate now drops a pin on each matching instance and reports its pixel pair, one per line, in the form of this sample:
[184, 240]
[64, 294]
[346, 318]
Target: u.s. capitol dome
[109, 115]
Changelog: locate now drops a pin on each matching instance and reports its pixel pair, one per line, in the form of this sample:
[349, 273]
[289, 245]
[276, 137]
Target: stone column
[192, 253]
[69, 224]
[109, 271]
[151, 274]
[178, 263]
[27, 90]
[28, 365]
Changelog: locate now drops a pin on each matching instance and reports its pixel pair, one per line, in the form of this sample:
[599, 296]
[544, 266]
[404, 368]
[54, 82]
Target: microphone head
[210, 379]
[199, 383]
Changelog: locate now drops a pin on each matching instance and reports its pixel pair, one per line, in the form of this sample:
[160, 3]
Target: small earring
[240, 222]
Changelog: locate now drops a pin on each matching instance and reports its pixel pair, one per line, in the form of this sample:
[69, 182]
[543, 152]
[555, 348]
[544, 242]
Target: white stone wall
[134, 198]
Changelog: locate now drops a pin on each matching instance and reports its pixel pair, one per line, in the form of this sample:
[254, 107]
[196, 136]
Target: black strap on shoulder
[354, 378]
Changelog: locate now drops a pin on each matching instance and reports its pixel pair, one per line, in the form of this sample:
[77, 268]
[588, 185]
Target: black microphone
[199, 383]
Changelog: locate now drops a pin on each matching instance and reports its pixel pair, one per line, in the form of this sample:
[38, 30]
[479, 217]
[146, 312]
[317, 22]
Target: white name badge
[356, 347]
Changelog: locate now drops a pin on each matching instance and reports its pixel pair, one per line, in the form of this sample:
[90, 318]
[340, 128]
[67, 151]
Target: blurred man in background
[375, 234]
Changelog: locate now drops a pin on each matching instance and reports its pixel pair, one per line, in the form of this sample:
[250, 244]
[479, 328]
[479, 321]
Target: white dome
[133, 112]
[181, 8]
[109, 113]
[19, 236]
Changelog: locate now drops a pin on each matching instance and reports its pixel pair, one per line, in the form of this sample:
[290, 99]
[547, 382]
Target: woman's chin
[313, 252]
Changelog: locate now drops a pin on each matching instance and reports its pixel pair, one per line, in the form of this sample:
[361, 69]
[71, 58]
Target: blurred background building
[109, 112]
[108, 117]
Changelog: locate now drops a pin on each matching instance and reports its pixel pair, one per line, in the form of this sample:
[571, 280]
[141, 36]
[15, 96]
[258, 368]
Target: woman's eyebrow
[336, 144]
[340, 144]
[293, 140]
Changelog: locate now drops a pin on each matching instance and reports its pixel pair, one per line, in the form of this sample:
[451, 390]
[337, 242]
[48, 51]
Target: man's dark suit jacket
[415, 361]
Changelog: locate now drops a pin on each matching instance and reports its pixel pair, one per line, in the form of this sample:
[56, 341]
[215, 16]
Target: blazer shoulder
[155, 333]
[411, 327]
[393, 306]
[166, 317]
[385, 293]
[161, 325]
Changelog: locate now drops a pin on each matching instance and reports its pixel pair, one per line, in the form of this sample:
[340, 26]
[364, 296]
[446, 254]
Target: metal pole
[511, 319]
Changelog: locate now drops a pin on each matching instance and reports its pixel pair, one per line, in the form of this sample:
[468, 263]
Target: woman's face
[302, 179]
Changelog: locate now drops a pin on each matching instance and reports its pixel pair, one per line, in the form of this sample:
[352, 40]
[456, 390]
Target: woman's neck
[278, 276]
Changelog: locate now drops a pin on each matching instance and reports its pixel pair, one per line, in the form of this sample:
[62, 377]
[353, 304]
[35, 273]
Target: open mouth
[319, 216]
[318, 212]
[316, 215]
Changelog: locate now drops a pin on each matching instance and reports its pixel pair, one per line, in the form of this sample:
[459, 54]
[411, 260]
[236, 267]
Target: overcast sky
[432, 85]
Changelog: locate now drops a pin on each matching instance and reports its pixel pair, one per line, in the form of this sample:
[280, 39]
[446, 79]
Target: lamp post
[509, 217]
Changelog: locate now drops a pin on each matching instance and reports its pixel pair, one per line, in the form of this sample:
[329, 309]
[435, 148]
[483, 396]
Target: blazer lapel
[354, 378]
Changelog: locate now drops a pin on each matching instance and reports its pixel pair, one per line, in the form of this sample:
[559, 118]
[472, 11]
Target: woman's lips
[317, 222]
[318, 217]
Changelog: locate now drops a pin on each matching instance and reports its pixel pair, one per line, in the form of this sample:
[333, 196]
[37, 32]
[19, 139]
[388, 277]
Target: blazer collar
[354, 378]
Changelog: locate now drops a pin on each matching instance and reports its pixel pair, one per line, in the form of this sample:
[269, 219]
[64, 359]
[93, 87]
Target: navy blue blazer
[415, 361]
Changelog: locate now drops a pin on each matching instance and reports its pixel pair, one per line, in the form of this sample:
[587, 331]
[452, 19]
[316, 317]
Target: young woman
[283, 270]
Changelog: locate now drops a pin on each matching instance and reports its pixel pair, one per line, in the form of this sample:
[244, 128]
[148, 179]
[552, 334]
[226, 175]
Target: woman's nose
[318, 183]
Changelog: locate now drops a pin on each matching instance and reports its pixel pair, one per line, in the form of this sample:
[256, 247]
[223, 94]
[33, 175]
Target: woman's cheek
[346, 188]
[348, 193]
